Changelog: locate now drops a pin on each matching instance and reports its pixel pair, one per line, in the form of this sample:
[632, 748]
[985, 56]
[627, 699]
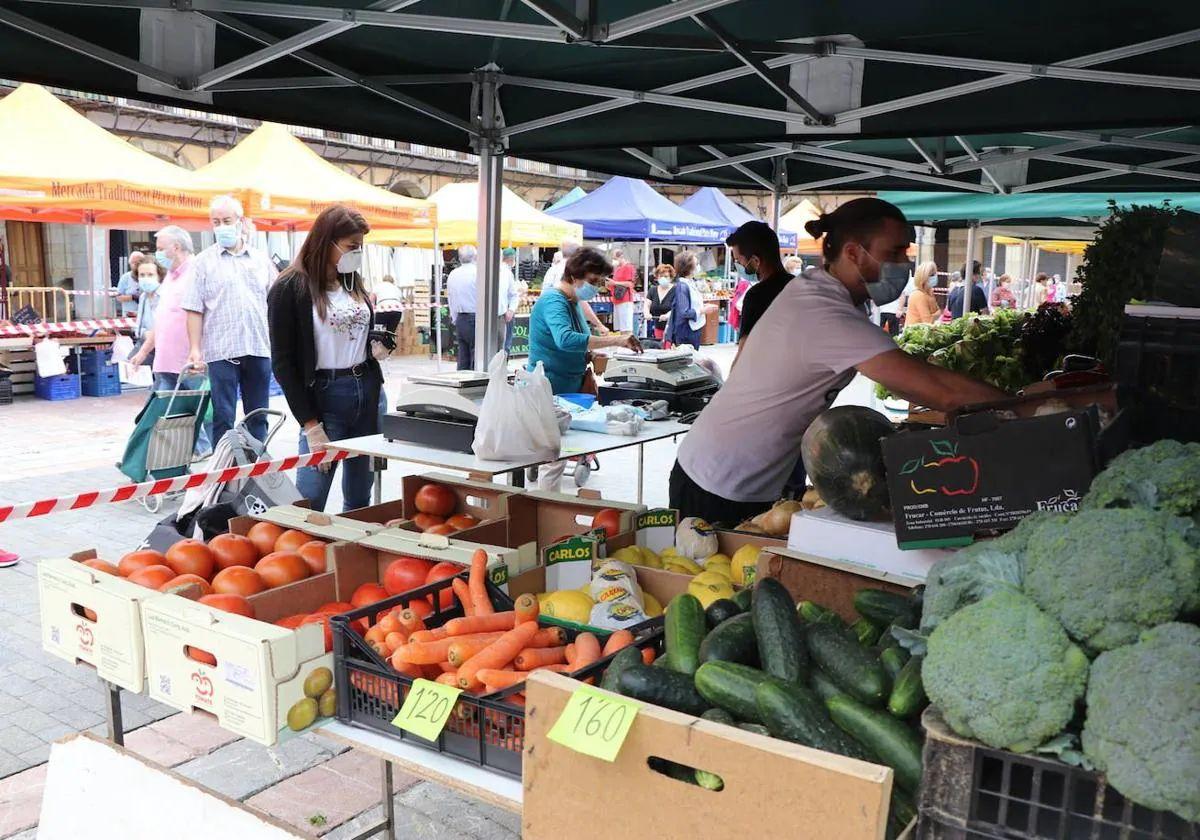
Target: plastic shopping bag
[516, 421]
[122, 348]
[49, 356]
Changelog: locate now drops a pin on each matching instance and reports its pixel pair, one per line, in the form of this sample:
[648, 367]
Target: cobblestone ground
[56, 449]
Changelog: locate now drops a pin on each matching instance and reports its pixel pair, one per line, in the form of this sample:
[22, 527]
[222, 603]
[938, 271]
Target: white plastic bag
[122, 348]
[516, 421]
[49, 355]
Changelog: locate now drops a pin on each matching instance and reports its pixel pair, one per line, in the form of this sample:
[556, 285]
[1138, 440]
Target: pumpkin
[695, 538]
[844, 460]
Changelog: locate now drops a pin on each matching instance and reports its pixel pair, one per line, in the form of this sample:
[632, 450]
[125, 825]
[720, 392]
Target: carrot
[477, 582]
[443, 667]
[530, 658]
[480, 623]
[431, 653]
[587, 651]
[394, 640]
[527, 608]
[463, 649]
[428, 635]
[463, 593]
[408, 669]
[548, 637]
[648, 656]
[448, 678]
[498, 654]
[560, 668]
[410, 621]
[497, 679]
[618, 640]
[569, 653]
[516, 699]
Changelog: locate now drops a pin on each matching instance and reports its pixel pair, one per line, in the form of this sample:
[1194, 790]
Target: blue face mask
[748, 276]
[162, 259]
[148, 287]
[893, 277]
[227, 235]
[585, 292]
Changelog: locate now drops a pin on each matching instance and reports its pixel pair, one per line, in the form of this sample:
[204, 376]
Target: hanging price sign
[426, 709]
[594, 723]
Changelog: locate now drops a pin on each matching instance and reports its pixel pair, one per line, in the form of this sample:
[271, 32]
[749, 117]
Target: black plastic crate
[1158, 369]
[973, 792]
[485, 729]
[6, 392]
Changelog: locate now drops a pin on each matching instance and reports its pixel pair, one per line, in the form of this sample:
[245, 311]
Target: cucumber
[855, 669]
[908, 692]
[813, 613]
[795, 713]
[889, 739]
[903, 809]
[756, 728]
[780, 637]
[685, 629]
[880, 606]
[721, 610]
[823, 685]
[662, 688]
[623, 659]
[742, 598]
[732, 640]
[867, 632]
[731, 686]
[719, 715]
[672, 769]
[892, 659]
[711, 781]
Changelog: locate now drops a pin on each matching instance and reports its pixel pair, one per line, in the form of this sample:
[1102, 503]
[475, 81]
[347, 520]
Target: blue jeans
[252, 376]
[348, 407]
[464, 334]
[167, 382]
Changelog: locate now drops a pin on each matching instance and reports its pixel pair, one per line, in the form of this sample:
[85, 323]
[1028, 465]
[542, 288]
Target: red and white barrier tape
[166, 485]
[69, 326]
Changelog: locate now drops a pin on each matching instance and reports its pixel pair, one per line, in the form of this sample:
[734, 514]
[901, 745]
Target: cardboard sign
[569, 563]
[594, 723]
[656, 528]
[985, 473]
[426, 709]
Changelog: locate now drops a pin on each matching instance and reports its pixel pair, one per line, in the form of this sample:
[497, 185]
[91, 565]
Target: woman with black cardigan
[321, 352]
[662, 297]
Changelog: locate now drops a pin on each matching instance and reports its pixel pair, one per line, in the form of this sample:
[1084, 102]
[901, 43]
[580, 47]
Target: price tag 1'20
[594, 723]
[426, 708]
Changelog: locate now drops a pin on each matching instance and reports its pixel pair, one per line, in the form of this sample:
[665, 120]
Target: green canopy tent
[1033, 208]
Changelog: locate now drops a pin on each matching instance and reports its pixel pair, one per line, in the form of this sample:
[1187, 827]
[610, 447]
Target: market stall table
[574, 444]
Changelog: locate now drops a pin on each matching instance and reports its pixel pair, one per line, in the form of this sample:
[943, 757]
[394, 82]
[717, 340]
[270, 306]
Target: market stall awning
[878, 95]
[1087, 208]
[628, 209]
[1053, 246]
[711, 203]
[571, 197]
[795, 219]
[457, 212]
[56, 165]
[283, 183]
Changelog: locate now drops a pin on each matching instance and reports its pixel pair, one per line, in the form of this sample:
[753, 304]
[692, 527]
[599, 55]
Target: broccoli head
[1109, 574]
[1162, 476]
[1143, 719]
[1003, 672]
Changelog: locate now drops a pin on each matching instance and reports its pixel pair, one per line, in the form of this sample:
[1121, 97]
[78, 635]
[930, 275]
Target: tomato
[264, 536]
[323, 620]
[462, 521]
[152, 577]
[442, 530]
[235, 604]
[440, 572]
[313, 553]
[291, 540]
[392, 523]
[198, 655]
[191, 557]
[435, 499]
[405, 573]
[135, 560]
[609, 520]
[238, 580]
[291, 622]
[368, 593]
[101, 566]
[185, 582]
[233, 550]
[425, 521]
[335, 608]
[421, 607]
[281, 568]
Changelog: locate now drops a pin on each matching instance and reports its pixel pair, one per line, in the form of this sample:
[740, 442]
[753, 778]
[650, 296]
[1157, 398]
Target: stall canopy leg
[491, 181]
[968, 277]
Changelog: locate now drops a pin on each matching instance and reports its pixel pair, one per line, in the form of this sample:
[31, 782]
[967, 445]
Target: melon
[844, 460]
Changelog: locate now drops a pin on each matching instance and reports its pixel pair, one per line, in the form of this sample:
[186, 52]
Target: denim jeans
[251, 375]
[464, 334]
[349, 407]
[167, 382]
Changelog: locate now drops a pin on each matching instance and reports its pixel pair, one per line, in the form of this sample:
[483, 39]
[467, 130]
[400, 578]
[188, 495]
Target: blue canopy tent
[628, 209]
[574, 195]
[711, 203]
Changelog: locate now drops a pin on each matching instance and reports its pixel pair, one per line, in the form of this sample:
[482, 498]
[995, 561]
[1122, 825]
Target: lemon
[722, 571]
[629, 555]
[717, 559]
[745, 564]
[686, 562]
[652, 607]
[649, 557]
[678, 569]
[709, 587]
[670, 550]
[569, 605]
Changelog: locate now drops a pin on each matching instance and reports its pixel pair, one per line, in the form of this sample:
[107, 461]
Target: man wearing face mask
[756, 255]
[805, 349]
[227, 319]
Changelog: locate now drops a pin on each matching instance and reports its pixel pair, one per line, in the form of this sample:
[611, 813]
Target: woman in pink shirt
[1002, 296]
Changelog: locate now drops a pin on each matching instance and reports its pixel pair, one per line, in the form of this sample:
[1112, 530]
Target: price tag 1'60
[594, 723]
[426, 708]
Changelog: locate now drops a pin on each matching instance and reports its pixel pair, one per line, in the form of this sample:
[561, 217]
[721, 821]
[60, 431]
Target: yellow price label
[594, 723]
[426, 709]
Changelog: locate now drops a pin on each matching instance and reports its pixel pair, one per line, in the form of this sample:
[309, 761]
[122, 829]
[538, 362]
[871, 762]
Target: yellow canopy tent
[283, 185]
[1053, 246]
[795, 219]
[56, 165]
[457, 212]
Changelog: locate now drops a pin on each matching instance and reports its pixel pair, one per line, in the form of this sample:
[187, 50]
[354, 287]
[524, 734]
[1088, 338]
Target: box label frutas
[657, 518]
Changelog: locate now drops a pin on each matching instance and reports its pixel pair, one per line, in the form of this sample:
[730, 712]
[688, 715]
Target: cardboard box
[830, 583]
[984, 473]
[327, 526]
[112, 643]
[827, 534]
[366, 560]
[728, 543]
[773, 788]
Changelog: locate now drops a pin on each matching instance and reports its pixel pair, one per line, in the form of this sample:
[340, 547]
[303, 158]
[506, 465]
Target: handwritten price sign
[594, 723]
[426, 709]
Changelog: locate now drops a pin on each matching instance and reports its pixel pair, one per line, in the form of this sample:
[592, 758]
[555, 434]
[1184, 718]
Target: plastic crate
[1158, 369]
[93, 360]
[106, 384]
[57, 388]
[972, 791]
[6, 392]
[484, 729]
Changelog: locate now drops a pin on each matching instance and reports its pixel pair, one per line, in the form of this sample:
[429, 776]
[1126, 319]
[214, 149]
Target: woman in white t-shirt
[320, 316]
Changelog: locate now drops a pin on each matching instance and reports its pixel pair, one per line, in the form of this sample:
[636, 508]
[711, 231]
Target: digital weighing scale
[670, 375]
[438, 410]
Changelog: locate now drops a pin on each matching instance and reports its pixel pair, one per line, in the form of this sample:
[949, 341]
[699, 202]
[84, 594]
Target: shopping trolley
[164, 437]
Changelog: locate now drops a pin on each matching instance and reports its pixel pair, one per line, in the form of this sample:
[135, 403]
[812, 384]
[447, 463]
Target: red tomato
[436, 499]
[198, 655]
[281, 568]
[233, 550]
[335, 607]
[609, 520]
[264, 535]
[291, 622]
[462, 521]
[425, 521]
[152, 577]
[177, 584]
[135, 560]
[404, 574]
[313, 553]
[420, 606]
[368, 593]
[191, 557]
[442, 530]
[101, 566]
[238, 580]
[235, 604]
[323, 620]
[291, 540]
[440, 572]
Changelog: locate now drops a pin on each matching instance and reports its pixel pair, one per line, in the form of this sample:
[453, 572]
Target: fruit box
[825, 533]
[481, 499]
[662, 585]
[830, 583]
[366, 560]
[324, 525]
[728, 543]
[112, 642]
[772, 788]
[261, 669]
[558, 515]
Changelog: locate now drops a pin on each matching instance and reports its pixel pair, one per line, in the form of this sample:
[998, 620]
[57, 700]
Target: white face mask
[350, 261]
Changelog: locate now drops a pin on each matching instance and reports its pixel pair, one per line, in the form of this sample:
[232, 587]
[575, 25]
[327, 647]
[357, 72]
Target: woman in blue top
[559, 336]
[686, 318]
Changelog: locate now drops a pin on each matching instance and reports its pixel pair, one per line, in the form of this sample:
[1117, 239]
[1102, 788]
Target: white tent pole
[992, 262]
[491, 182]
[646, 283]
[435, 318]
[968, 275]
